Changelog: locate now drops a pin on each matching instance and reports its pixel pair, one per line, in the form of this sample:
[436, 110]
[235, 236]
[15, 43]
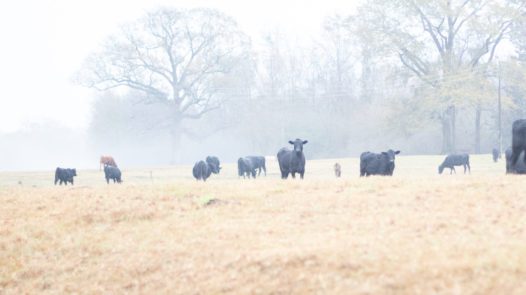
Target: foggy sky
[46, 41]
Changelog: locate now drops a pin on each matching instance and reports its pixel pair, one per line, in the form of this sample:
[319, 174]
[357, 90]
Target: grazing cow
[245, 167]
[519, 168]
[111, 172]
[292, 161]
[337, 170]
[64, 175]
[455, 160]
[202, 170]
[107, 161]
[496, 154]
[259, 163]
[214, 164]
[378, 164]
[518, 141]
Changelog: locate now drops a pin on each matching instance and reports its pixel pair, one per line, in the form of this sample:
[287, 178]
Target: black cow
[518, 141]
[496, 155]
[292, 161]
[259, 163]
[245, 167]
[202, 170]
[214, 164]
[378, 164]
[519, 168]
[113, 173]
[64, 175]
[455, 160]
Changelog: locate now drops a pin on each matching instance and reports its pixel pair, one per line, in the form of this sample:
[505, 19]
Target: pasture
[161, 232]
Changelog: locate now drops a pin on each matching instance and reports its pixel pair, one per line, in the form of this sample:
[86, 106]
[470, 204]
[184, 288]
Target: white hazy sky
[44, 42]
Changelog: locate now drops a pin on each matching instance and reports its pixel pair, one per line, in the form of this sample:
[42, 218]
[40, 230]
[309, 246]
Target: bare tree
[186, 60]
[442, 42]
[338, 50]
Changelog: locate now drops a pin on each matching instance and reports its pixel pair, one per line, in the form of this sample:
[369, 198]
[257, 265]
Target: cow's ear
[305, 141]
[291, 142]
[397, 152]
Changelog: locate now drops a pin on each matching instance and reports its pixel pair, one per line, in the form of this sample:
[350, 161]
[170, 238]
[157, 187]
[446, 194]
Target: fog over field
[155, 83]
[156, 87]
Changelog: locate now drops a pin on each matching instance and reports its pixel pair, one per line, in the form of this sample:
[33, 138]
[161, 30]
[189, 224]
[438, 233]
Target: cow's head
[390, 154]
[298, 145]
[74, 172]
[214, 164]
[440, 169]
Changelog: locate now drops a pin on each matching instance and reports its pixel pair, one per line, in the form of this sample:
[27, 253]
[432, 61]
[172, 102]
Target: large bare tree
[444, 43]
[188, 60]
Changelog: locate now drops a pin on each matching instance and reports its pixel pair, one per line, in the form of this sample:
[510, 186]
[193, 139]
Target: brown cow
[107, 160]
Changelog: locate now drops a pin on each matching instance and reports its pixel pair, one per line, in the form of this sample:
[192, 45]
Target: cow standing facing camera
[292, 161]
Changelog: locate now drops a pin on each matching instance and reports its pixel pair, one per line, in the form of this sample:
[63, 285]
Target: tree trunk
[477, 129]
[448, 130]
[453, 111]
[176, 133]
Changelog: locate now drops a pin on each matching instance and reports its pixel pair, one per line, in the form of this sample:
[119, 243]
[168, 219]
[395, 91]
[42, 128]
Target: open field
[415, 232]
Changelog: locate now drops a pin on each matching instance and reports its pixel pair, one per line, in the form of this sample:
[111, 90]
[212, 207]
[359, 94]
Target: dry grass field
[164, 233]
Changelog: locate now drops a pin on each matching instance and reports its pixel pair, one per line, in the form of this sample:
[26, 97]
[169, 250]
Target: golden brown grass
[416, 232]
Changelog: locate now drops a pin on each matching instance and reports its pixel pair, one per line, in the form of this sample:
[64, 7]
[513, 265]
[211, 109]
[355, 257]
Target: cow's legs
[301, 174]
[516, 151]
[363, 170]
[293, 174]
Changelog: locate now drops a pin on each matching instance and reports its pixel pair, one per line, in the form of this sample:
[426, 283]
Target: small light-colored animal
[337, 170]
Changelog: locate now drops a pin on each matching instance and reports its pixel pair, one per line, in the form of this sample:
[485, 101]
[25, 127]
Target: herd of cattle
[292, 161]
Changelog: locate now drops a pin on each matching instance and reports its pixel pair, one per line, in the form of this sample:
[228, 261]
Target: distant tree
[190, 61]
[339, 56]
[446, 44]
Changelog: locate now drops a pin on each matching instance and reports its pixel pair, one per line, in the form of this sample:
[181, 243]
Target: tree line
[430, 76]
